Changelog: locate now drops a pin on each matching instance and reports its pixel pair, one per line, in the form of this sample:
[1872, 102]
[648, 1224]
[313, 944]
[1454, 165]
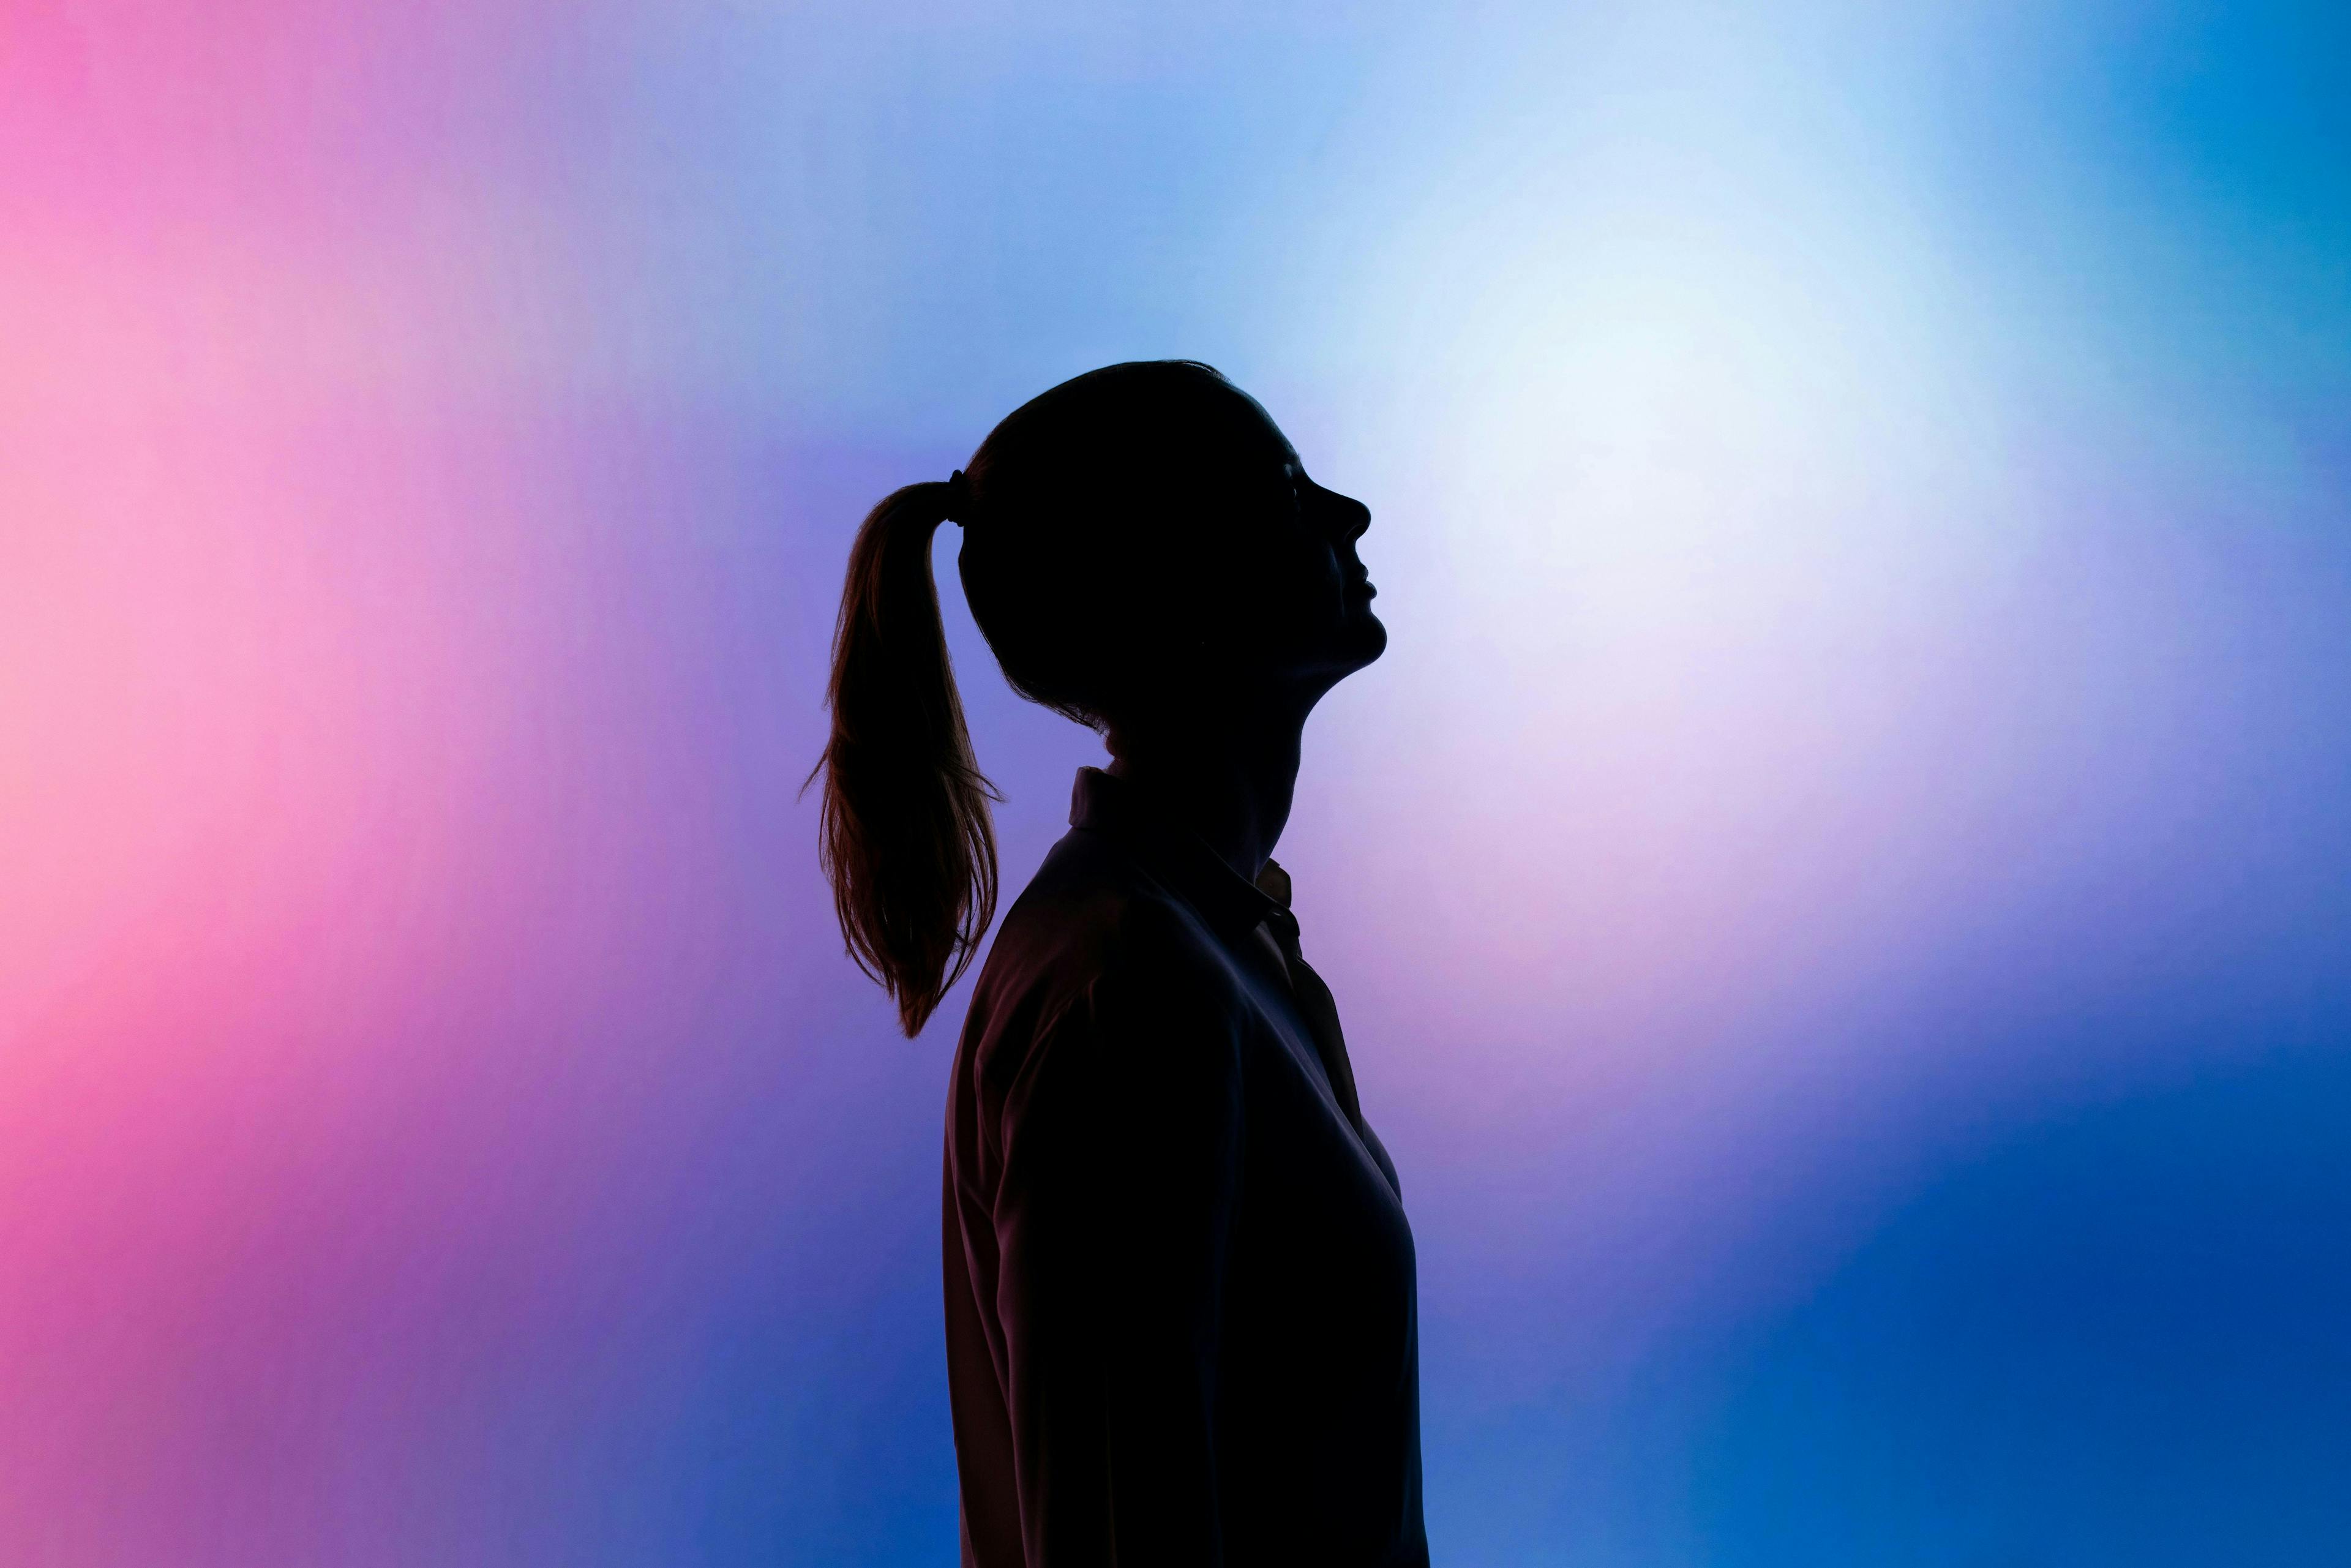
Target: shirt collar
[1120, 809]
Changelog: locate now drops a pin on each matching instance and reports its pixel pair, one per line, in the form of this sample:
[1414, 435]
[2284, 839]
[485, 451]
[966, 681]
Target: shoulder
[1092, 944]
[1093, 916]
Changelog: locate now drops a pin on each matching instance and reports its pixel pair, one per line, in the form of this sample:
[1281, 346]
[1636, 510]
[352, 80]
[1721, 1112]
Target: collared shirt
[1180, 1313]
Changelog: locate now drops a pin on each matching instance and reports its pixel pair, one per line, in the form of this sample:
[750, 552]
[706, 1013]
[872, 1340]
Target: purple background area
[1839, 892]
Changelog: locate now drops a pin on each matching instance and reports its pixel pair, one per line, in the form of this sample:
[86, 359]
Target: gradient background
[1841, 889]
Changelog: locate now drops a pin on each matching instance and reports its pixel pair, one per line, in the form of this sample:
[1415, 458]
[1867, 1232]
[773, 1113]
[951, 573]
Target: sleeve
[1122, 1140]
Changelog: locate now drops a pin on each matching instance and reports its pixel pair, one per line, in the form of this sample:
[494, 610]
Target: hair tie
[958, 497]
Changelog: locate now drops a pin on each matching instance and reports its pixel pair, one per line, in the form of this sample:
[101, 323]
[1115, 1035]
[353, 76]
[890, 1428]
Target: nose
[1346, 517]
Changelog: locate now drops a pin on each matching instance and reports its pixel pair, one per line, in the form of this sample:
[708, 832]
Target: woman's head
[1143, 539]
[1142, 549]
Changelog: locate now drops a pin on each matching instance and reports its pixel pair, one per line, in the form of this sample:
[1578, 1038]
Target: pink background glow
[1838, 884]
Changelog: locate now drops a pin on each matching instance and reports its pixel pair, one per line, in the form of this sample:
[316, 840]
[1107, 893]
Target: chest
[1313, 1194]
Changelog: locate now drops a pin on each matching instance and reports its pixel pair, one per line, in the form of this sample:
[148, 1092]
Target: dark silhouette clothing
[1181, 1325]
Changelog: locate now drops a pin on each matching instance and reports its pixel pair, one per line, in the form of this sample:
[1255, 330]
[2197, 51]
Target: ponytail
[904, 834]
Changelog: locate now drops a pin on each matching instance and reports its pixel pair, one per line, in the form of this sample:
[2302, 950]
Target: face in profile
[1299, 597]
[1150, 541]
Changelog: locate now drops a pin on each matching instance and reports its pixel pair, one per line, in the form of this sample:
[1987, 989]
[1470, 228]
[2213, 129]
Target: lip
[1362, 585]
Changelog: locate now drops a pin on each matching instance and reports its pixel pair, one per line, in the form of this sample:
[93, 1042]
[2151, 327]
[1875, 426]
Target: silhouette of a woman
[1179, 1282]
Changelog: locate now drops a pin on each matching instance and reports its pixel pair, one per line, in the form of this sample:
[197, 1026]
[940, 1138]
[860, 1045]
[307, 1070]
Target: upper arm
[1121, 1139]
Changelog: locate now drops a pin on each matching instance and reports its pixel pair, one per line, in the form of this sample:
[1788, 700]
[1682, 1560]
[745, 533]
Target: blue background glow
[1840, 891]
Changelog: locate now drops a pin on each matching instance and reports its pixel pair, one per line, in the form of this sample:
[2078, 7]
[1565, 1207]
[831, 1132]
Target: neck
[1229, 782]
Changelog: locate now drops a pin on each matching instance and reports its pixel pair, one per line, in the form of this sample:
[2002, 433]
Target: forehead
[1243, 419]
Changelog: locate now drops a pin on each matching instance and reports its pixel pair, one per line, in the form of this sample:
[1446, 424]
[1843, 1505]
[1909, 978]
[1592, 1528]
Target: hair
[1058, 505]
